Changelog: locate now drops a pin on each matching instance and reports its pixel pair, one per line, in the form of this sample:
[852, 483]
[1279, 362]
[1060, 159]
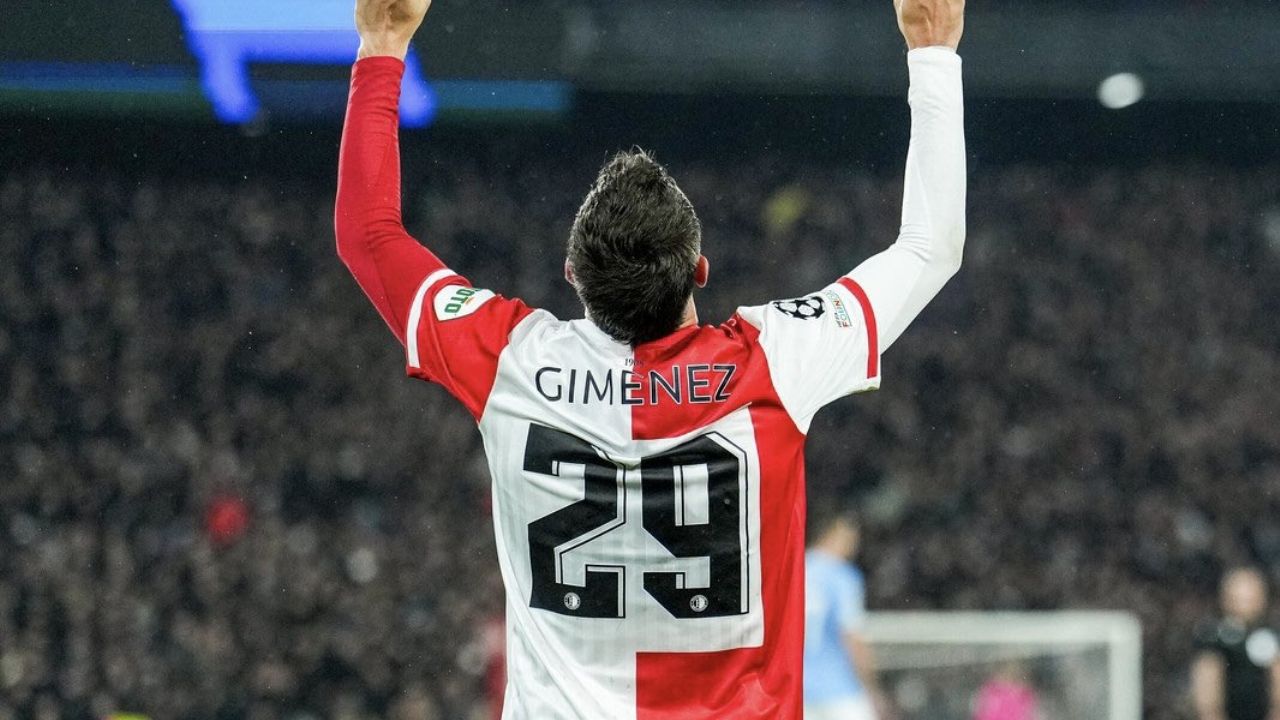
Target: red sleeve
[456, 335]
[388, 264]
[452, 333]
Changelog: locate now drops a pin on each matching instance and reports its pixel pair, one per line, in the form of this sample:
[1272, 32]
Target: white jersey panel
[820, 348]
[611, 546]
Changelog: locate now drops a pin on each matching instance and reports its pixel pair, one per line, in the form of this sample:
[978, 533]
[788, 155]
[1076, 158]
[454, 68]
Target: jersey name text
[679, 384]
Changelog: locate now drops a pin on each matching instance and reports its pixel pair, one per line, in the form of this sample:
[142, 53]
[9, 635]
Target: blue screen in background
[225, 36]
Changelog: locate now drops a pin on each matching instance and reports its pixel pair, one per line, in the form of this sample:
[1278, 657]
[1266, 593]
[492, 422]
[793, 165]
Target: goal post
[1077, 665]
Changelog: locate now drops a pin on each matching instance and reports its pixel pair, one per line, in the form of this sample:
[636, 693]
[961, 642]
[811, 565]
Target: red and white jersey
[648, 502]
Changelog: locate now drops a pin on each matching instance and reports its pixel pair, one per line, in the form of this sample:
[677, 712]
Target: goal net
[971, 666]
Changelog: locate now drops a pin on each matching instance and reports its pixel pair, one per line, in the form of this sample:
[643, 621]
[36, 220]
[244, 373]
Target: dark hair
[634, 247]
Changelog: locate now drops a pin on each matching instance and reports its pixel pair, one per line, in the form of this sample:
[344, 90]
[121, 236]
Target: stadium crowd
[219, 498]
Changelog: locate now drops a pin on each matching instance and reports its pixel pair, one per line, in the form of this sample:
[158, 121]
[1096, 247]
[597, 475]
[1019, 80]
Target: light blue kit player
[839, 669]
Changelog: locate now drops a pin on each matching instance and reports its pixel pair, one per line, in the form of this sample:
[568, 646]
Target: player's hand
[926, 23]
[387, 26]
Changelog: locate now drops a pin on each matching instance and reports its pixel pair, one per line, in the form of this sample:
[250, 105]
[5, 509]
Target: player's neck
[690, 316]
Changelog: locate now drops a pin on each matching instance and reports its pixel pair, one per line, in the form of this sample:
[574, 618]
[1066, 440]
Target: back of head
[634, 248]
[834, 528]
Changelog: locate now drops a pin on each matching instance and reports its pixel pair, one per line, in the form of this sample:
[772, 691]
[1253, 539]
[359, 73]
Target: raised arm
[900, 281]
[452, 333]
[389, 265]
[828, 345]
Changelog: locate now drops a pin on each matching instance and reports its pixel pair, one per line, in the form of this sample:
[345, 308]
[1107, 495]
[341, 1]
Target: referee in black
[1236, 673]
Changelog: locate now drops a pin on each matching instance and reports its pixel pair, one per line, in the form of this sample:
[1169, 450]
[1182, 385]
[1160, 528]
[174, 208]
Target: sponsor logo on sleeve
[455, 301]
[808, 308]
[838, 309]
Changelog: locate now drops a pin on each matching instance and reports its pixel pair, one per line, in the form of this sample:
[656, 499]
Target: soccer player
[839, 668]
[648, 478]
[1236, 674]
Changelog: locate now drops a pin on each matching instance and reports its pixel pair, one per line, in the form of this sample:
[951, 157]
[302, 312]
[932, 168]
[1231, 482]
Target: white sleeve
[903, 279]
[819, 348]
[825, 346]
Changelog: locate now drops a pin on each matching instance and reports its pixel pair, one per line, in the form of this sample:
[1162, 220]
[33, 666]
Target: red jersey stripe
[873, 340]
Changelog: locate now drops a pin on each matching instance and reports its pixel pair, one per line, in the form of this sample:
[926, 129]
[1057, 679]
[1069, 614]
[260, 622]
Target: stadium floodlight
[1078, 665]
[226, 35]
[1121, 90]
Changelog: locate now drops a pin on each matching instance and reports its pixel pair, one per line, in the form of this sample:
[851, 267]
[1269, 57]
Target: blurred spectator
[1008, 695]
[226, 520]
[1087, 418]
[1237, 670]
[840, 681]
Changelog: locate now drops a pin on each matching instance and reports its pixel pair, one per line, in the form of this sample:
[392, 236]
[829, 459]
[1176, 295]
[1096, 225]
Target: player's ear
[568, 273]
[702, 271]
